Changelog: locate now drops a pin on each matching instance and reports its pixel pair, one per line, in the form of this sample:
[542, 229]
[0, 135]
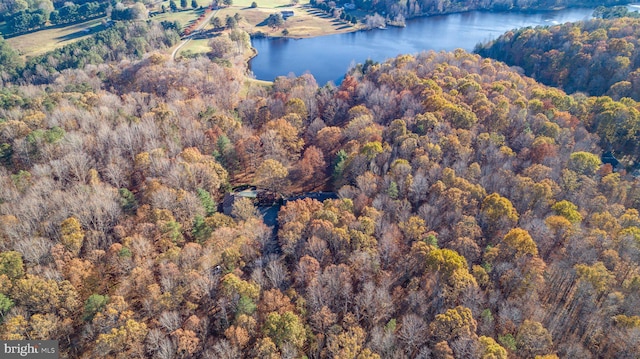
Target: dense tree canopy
[474, 217]
[411, 8]
[597, 57]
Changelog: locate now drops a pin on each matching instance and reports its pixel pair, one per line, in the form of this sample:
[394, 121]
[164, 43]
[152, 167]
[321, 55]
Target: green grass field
[199, 46]
[42, 41]
[183, 17]
[266, 3]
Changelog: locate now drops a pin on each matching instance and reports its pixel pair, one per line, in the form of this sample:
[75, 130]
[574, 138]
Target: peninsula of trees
[596, 57]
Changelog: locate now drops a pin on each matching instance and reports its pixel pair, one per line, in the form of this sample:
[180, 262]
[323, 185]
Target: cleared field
[158, 5]
[267, 3]
[42, 41]
[306, 22]
[250, 83]
[183, 17]
[199, 46]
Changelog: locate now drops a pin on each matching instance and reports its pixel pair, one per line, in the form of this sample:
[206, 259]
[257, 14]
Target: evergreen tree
[5, 306]
[339, 165]
[93, 305]
[231, 22]
[216, 22]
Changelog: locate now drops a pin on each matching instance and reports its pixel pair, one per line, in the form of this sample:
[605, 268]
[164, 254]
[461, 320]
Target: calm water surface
[329, 57]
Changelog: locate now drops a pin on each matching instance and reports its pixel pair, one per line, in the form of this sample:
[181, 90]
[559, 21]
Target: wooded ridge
[475, 216]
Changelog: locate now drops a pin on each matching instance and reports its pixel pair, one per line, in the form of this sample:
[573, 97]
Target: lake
[329, 57]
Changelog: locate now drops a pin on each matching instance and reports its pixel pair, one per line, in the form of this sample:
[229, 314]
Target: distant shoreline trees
[28, 20]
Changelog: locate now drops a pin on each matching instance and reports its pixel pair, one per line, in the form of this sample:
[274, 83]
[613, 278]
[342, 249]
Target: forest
[475, 217]
[22, 16]
[413, 8]
[597, 57]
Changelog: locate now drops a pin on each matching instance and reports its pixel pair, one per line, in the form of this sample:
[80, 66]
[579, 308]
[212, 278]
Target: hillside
[597, 57]
[475, 217]
[413, 8]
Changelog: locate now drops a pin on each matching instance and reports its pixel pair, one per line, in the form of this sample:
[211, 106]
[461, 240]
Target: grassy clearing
[158, 5]
[42, 41]
[185, 18]
[266, 3]
[306, 22]
[199, 46]
[253, 83]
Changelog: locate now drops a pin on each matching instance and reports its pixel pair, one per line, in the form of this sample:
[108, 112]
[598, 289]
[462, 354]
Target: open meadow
[195, 46]
[40, 42]
[306, 21]
[184, 17]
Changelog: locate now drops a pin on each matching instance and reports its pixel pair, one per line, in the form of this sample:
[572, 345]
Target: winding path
[188, 38]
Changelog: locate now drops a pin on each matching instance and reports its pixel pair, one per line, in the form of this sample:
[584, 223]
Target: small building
[230, 198]
[609, 158]
[286, 14]
[259, 197]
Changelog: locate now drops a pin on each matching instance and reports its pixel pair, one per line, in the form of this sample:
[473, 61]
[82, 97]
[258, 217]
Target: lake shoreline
[356, 29]
[424, 15]
[328, 57]
[262, 35]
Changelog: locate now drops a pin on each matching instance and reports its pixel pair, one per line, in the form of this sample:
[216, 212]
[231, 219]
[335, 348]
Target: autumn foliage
[473, 218]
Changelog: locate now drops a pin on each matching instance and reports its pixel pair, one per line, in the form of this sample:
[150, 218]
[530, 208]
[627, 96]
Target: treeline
[596, 57]
[10, 61]
[10, 7]
[136, 12]
[614, 12]
[71, 13]
[331, 10]
[121, 41]
[24, 21]
[475, 216]
[32, 19]
[413, 8]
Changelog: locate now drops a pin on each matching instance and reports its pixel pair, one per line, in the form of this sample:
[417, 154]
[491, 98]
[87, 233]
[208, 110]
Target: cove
[327, 58]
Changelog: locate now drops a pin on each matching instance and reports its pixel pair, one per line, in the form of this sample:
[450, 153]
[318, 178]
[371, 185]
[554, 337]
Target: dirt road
[188, 38]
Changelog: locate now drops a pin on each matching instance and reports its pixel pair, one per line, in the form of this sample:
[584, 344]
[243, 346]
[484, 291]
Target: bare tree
[276, 272]
[413, 332]
[33, 249]
[222, 349]
[374, 21]
[170, 320]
